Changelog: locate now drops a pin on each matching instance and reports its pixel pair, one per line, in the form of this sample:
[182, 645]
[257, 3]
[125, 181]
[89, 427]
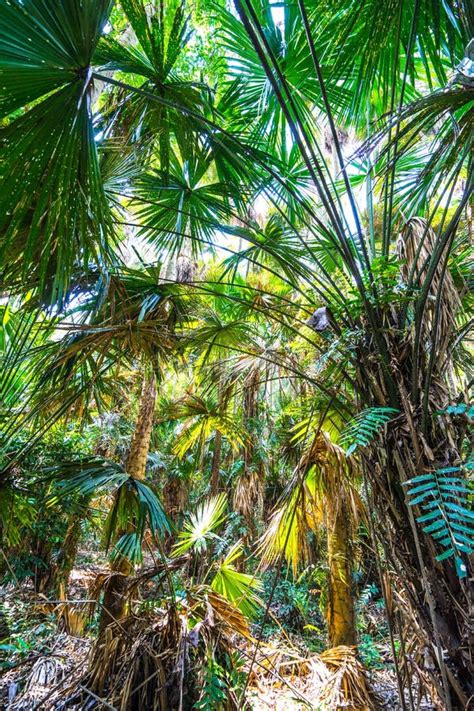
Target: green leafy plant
[239, 588]
[448, 517]
[213, 693]
[363, 428]
[200, 527]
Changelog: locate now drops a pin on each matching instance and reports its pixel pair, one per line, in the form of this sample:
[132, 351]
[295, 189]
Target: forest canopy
[236, 355]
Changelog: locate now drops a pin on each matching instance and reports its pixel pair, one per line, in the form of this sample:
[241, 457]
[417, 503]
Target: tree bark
[68, 553]
[216, 464]
[115, 603]
[140, 446]
[340, 609]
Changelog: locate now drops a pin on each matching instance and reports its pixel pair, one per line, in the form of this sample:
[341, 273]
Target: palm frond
[56, 208]
[364, 427]
[200, 527]
[241, 589]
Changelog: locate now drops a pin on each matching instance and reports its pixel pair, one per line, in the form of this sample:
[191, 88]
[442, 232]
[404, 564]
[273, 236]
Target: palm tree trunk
[68, 553]
[115, 601]
[140, 447]
[340, 609]
[216, 464]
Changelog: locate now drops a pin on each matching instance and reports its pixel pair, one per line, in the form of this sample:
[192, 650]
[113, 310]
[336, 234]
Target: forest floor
[48, 647]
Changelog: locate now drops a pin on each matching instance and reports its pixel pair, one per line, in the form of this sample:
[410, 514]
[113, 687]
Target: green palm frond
[217, 336]
[241, 589]
[162, 33]
[85, 476]
[185, 203]
[55, 213]
[135, 502]
[203, 417]
[157, 519]
[249, 94]
[199, 528]
[274, 246]
[128, 546]
[127, 315]
[437, 131]
[349, 36]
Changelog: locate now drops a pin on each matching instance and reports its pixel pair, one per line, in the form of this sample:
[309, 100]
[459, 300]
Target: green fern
[361, 430]
[459, 409]
[448, 517]
[214, 691]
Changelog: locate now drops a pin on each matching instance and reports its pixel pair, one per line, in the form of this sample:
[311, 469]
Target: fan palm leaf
[55, 212]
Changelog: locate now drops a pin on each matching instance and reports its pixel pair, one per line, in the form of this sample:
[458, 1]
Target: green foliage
[199, 528]
[364, 427]
[214, 689]
[55, 212]
[135, 503]
[446, 500]
[459, 409]
[128, 546]
[241, 589]
[27, 631]
[297, 605]
[111, 139]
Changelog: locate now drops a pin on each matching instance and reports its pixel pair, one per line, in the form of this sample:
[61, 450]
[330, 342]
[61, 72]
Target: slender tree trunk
[140, 447]
[340, 609]
[115, 602]
[216, 464]
[68, 553]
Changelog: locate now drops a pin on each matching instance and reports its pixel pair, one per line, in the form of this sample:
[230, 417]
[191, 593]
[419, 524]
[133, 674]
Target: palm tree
[134, 320]
[391, 365]
[322, 492]
[394, 342]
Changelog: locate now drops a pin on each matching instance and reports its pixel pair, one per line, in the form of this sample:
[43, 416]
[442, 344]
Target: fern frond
[448, 515]
[363, 428]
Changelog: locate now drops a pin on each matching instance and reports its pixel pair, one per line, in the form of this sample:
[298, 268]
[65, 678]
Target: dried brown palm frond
[415, 247]
[415, 658]
[336, 472]
[229, 615]
[346, 687]
[248, 494]
[159, 661]
[324, 472]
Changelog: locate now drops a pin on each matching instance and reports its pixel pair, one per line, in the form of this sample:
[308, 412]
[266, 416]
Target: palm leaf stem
[299, 373]
[343, 246]
[299, 133]
[386, 231]
[414, 22]
[296, 232]
[320, 291]
[335, 137]
[444, 242]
